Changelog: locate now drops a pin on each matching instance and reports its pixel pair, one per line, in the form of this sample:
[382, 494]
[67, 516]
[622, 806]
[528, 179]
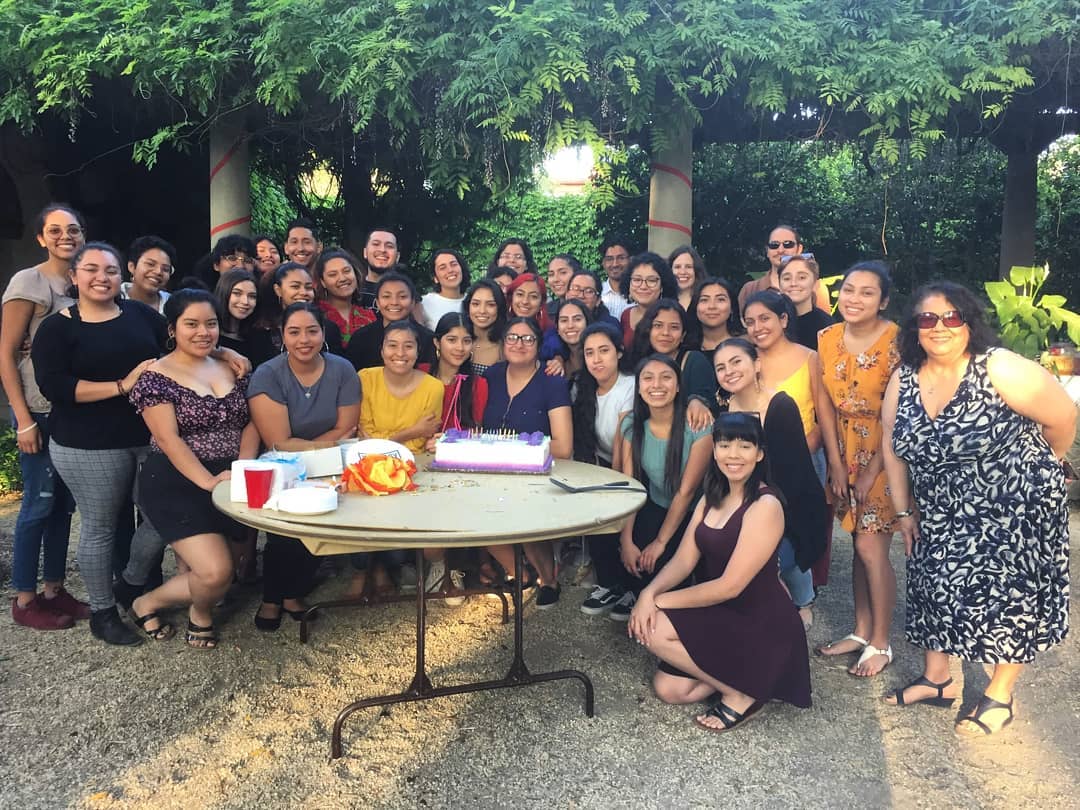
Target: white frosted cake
[502, 451]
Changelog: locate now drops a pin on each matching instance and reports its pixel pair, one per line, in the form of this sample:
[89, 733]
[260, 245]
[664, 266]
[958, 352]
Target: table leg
[422, 689]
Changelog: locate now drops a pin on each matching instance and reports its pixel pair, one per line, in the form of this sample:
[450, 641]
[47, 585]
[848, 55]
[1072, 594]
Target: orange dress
[856, 385]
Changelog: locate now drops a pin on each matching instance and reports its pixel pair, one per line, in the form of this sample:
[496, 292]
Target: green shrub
[10, 473]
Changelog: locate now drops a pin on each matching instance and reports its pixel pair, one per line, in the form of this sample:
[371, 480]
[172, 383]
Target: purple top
[211, 426]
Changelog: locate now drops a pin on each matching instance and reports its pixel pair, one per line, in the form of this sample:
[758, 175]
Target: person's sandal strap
[987, 704]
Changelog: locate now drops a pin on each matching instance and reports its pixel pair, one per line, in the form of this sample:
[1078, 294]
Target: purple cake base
[444, 467]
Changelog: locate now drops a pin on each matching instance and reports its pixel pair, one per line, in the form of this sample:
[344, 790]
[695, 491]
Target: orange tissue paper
[379, 475]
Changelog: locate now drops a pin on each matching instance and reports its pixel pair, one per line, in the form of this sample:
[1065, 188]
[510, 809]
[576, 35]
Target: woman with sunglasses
[484, 307]
[858, 357]
[738, 370]
[799, 276]
[44, 522]
[663, 452]
[734, 633]
[522, 398]
[647, 279]
[689, 269]
[973, 441]
[713, 315]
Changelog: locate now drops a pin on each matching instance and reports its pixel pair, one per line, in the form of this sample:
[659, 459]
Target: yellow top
[797, 386]
[382, 414]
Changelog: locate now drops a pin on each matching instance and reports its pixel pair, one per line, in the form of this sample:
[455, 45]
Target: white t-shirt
[619, 400]
[125, 291]
[435, 306]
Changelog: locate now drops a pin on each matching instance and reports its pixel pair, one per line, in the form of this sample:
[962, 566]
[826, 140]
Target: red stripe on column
[674, 226]
[226, 225]
[661, 167]
[225, 159]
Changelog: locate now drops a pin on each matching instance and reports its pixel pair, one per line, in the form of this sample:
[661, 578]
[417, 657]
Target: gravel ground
[247, 725]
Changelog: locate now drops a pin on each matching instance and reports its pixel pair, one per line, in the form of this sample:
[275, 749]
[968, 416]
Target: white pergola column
[671, 194]
[230, 179]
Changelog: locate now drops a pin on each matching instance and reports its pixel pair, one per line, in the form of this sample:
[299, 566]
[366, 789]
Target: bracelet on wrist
[21, 431]
[120, 387]
[904, 513]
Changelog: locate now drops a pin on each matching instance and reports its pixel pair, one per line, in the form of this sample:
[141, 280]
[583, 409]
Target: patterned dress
[988, 580]
[856, 385]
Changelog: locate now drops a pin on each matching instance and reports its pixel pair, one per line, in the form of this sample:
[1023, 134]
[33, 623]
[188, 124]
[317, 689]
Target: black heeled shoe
[267, 624]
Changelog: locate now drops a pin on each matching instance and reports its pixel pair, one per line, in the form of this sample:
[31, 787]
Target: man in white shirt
[615, 256]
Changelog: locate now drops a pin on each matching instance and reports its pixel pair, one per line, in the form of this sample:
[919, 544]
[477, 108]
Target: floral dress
[856, 386]
[988, 579]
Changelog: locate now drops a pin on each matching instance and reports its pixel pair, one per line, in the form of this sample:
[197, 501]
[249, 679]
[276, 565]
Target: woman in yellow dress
[858, 357]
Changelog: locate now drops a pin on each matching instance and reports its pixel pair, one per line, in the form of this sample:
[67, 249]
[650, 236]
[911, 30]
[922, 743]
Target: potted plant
[1029, 322]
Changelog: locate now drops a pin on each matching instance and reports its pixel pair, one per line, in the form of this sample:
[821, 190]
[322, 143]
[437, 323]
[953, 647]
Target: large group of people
[749, 415]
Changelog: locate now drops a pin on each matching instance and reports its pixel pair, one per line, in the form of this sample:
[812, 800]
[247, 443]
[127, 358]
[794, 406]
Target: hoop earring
[168, 340]
[325, 347]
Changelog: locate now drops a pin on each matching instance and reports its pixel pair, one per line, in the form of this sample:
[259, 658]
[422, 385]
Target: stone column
[671, 193]
[230, 179]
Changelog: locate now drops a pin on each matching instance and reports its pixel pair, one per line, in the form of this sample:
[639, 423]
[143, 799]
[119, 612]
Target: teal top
[653, 456]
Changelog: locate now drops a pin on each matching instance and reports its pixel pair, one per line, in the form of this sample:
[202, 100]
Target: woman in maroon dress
[736, 632]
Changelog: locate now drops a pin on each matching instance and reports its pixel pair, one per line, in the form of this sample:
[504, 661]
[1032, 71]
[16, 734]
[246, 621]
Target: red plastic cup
[258, 481]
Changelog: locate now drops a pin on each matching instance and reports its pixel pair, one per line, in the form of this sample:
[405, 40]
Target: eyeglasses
[809, 257]
[615, 259]
[241, 258]
[649, 283]
[787, 244]
[527, 340]
[952, 318]
[512, 257]
[587, 292]
[56, 232]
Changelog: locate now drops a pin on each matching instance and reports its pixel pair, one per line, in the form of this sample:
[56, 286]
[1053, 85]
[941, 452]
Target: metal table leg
[421, 688]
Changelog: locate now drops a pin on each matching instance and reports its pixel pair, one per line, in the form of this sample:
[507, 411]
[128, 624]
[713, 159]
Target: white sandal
[869, 651]
[862, 642]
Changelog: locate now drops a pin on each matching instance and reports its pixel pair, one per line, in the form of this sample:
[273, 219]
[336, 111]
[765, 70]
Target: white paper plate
[307, 501]
[383, 447]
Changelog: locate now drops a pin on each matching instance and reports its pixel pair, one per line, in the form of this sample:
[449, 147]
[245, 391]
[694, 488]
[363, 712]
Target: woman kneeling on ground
[736, 632]
[197, 412]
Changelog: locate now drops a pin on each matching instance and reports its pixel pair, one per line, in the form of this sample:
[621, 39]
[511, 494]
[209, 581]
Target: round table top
[454, 509]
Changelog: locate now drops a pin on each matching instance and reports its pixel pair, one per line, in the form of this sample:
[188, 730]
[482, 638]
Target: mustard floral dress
[856, 386]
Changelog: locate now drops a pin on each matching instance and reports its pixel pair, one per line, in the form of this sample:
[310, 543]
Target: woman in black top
[86, 359]
[237, 296]
[290, 284]
[395, 299]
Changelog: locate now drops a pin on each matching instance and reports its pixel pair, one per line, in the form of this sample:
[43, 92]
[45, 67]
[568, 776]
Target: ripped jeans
[44, 523]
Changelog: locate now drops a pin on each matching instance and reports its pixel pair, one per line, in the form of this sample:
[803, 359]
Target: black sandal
[986, 704]
[940, 701]
[162, 632]
[728, 716]
[200, 638]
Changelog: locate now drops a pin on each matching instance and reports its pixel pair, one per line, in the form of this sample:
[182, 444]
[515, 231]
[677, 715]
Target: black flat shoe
[266, 624]
[107, 625]
[125, 593]
[975, 719]
[728, 717]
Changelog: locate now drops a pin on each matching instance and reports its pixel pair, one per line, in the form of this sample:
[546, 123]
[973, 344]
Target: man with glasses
[150, 264]
[783, 241]
[615, 256]
[231, 251]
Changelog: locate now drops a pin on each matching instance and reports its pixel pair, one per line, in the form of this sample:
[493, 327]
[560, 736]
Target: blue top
[654, 456]
[528, 411]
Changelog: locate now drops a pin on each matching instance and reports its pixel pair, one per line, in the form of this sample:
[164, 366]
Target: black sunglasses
[809, 257]
[787, 244]
[952, 318]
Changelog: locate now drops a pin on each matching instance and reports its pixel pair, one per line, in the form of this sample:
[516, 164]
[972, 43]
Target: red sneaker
[39, 616]
[66, 604]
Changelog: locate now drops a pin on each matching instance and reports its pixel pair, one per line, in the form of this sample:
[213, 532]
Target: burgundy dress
[755, 642]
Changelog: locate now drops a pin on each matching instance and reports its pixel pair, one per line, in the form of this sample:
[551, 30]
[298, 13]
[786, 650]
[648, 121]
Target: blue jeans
[44, 522]
[799, 582]
[821, 465]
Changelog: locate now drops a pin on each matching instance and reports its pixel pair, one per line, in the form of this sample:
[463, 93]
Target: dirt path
[247, 726]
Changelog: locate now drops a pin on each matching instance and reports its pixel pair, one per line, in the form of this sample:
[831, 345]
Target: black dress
[755, 642]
